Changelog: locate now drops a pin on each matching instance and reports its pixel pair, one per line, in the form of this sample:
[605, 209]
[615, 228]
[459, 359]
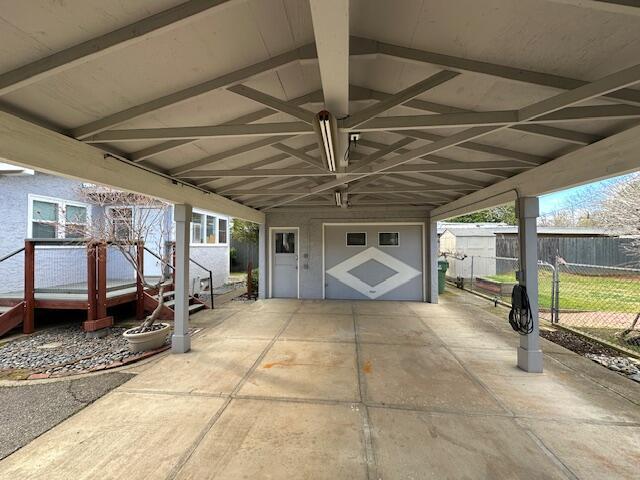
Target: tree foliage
[244, 231]
[619, 211]
[501, 214]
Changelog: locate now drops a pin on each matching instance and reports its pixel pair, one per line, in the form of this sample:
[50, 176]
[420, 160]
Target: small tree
[502, 214]
[619, 212]
[127, 220]
[244, 231]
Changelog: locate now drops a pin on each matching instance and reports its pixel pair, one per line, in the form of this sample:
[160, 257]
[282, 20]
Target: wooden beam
[356, 172]
[621, 79]
[262, 163]
[330, 20]
[395, 189]
[501, 71]
[149, 152]
[499, 117]
[481, 147]
[301, 155]
[401, 97]
[221, 156]
[136, 32]
[273, 102]
[331, 31]
[34, 147]
[556, 133]
[386, 150]
[429, 158]
[188, 93]
[213, 131]
[613, 156]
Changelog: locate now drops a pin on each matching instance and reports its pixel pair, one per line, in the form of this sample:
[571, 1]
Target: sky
[558, 200]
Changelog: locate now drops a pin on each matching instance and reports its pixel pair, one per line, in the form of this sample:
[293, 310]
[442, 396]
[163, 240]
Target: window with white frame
[57, 218]
[356, 239]
[208, 229]
[388, 239]
[121, 222]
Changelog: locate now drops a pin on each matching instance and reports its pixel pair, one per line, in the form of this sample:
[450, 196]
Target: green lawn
[587, 293]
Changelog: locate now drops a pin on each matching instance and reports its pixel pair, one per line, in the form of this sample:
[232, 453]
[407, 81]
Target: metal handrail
[8, 256]
[191, 260]
[159, 257]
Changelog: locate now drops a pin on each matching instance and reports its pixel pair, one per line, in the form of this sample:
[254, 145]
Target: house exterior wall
[67, 265]
[14, 200]
[215, 258]
[310, 240]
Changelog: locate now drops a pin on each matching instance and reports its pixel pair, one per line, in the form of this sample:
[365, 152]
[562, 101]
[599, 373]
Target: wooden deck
[95, 295]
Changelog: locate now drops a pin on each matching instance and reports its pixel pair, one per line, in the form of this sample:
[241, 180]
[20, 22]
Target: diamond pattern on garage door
[345, 270]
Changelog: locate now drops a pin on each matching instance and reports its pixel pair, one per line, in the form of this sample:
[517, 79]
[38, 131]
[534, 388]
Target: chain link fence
[603, 302]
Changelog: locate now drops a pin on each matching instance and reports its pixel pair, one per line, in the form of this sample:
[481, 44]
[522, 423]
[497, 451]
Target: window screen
[286, 242]
[45, 219]
[388, 239]
[211, 229]
[76, 221]
[196, 228]
[356, 239]
[222, 231]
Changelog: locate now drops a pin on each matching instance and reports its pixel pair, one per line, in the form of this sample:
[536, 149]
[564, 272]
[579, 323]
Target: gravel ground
[605, 356]
[576, 343]
[28, 411]
[64, 350]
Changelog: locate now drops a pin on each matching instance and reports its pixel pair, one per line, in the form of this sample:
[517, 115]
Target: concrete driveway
[350, 390]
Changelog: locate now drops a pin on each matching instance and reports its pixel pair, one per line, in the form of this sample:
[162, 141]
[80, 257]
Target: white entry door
[284, 254]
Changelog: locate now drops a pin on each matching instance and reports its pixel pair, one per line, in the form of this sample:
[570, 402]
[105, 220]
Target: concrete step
[196, 307]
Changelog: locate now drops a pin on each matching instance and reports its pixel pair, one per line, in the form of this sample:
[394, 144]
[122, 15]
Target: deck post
[99, 285]
[140, 281]
[102, 279]
[181, 341]
[529, 353]
[431, 252]
[28, 324]
[92, 306]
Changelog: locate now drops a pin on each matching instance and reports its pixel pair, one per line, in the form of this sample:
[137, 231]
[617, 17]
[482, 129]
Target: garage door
[374, 262]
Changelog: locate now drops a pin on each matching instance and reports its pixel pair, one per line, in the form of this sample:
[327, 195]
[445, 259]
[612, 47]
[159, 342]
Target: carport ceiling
[448, 97]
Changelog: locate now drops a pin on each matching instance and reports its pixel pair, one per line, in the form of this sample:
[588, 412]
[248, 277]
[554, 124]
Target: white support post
[262, 261]
[529, 353]
[181, 341]
[431, 252]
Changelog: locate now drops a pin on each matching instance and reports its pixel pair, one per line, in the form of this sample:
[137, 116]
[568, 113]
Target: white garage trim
[373, 224]
[272, 260]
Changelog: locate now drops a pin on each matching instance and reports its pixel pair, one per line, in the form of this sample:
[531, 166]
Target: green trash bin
[443, 266]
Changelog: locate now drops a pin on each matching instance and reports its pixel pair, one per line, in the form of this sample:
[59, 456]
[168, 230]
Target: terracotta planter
[141, 342]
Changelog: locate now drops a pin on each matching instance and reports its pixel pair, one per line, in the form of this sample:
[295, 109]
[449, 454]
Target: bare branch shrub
[125, 220]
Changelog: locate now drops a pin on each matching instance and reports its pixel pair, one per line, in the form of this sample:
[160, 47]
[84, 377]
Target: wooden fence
[603, 251]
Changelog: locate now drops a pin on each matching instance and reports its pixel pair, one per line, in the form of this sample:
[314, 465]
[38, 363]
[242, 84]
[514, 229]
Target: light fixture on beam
[326, 127]
[338, 197]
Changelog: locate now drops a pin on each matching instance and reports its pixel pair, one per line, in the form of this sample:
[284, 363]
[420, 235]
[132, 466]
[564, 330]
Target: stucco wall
[310, 238]
[55, 266]
[215, 258]
[14, 200]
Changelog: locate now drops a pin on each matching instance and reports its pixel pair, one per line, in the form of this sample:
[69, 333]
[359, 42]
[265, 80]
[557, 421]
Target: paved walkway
[350, 390]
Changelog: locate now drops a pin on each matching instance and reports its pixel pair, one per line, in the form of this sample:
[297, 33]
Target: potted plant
[133, 223]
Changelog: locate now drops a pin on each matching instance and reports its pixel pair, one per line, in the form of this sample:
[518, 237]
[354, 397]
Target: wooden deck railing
[69, 296]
